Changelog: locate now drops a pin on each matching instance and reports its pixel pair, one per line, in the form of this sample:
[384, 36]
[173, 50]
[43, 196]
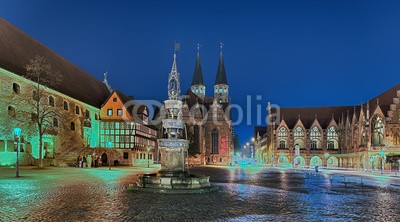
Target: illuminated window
[283, 137]
[109, 112]
[332, 138]
[119, 112]
[315, 138]
[65, 105]
[378, 130]
[16, 88]
[220, 90]
[51, 101]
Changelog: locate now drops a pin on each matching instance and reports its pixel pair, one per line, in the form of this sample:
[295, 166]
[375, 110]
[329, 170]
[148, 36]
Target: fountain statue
[173, 177]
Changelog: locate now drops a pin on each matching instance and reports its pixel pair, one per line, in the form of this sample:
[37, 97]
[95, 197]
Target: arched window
[283, 137]
[77, 110]
[378, 130]
[72, 126]
[51, 101]
[332, 138]
[11, 111]
[214, 141]
[55, 122]
[65, 105]
[315, 138]
[87, 114]
[299, 136]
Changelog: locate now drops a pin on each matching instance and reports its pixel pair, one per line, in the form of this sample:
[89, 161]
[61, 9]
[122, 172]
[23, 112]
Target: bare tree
[43, 109]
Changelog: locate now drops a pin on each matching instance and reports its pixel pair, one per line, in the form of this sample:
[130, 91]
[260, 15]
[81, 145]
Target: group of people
[88, 161]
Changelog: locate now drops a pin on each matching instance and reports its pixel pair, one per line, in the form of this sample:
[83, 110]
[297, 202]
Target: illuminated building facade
[365, 136]
[78, 125]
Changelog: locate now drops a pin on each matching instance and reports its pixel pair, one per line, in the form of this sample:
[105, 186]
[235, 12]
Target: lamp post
[109, 145]
[382, 154]
[17, 134]
[148, 159]
[326, 159]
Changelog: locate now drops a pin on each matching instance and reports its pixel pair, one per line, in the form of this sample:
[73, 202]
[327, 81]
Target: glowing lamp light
[109, 144]
[230, 153]
[248, 144]
[245, 147]
[252, 139]
[326, 155]
[148, 149]
[382, 153]
[17, 132]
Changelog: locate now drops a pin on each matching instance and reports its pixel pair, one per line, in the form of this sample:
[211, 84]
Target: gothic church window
[315, 138]
[378, 130]
[282, 137]
[299, 136]
[332, 138]
[214, 141]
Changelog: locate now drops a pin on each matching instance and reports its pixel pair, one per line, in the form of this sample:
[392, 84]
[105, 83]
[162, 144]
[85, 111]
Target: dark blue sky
[294, 53]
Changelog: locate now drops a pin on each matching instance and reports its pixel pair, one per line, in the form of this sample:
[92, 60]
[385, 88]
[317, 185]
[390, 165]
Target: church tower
[198, 87]
[221, 87]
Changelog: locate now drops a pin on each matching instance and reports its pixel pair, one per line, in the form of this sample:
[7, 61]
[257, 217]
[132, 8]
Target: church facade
[208, 121]
[364, 136]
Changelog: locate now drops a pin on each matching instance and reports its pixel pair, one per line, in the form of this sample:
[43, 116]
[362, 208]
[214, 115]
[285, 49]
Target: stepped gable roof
[16, 50]
[308, 114]
[385, 100]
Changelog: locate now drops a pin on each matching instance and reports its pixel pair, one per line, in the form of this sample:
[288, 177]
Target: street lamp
[148, 159]
[382, 154]
[17, 134]
[109, 145]
[326, 157]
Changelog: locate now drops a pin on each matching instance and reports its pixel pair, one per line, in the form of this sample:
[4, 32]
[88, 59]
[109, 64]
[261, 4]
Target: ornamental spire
[174, 88]
[198, 73]
[221, 73]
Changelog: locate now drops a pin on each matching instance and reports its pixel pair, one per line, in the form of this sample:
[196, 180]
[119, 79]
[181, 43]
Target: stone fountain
[173, 177]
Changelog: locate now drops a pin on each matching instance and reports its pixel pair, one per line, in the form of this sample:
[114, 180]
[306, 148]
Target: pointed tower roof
[221, 73]
[198, 73]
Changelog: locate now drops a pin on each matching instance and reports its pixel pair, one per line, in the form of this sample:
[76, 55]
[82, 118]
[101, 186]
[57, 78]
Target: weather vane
[198, 47]
[177, 46]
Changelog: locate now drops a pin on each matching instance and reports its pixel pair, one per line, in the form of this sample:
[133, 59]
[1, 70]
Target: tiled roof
[16, 50]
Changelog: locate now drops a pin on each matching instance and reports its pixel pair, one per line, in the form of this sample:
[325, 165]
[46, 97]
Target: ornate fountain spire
[174, 85]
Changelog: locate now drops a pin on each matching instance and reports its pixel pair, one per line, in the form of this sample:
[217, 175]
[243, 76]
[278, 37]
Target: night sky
[293, 53]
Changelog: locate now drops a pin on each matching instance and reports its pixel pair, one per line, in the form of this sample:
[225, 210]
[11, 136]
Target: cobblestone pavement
[246, 194]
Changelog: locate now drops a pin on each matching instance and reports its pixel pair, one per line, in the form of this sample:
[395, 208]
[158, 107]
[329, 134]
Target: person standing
[89, 161]
[83, 161]
[79, 161]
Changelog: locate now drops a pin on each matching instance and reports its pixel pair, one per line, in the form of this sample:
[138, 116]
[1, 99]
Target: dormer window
[51, 101]
[16, 88]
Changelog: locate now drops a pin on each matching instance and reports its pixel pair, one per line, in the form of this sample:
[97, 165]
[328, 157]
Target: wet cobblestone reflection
[247, 193]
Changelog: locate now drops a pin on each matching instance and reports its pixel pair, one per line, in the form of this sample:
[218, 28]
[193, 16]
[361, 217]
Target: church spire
[221, 84]
[198, 87]
[221, 73]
